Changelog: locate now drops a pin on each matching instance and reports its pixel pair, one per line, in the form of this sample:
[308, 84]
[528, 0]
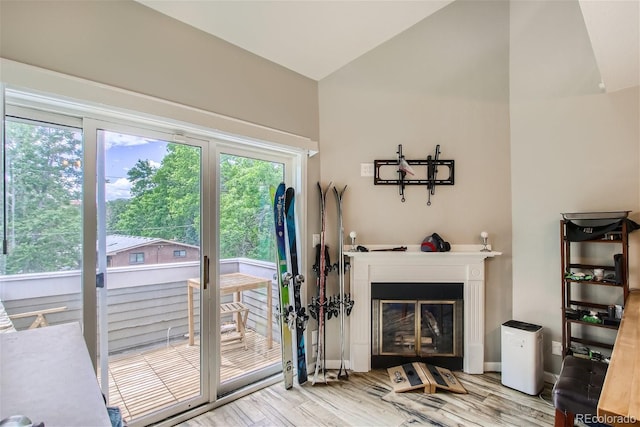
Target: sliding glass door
[250, 338]
[112, 223]
[152, 349]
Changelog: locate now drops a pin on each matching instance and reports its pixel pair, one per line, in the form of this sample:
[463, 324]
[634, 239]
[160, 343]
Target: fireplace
[417, 322]
[462, 267]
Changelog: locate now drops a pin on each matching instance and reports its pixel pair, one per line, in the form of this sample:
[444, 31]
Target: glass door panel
[397, 327]
[249, 334]
[149, 240]
[441, 328]
[40, 281]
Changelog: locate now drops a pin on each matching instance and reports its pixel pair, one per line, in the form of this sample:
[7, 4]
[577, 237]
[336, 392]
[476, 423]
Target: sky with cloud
[122, 153]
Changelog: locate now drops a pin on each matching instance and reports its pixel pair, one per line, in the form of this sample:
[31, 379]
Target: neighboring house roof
[117, 243]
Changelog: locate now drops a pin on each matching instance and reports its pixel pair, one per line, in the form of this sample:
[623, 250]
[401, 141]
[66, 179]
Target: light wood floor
[368, 400]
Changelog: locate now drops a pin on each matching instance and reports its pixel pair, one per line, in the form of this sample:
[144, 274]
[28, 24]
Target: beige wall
[444, 81]
[573, 149]
[127, 45]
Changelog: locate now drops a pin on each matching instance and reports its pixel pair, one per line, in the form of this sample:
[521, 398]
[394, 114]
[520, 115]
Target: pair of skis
[343, 300]
[320, 304]
[291, 317]
[322, 308]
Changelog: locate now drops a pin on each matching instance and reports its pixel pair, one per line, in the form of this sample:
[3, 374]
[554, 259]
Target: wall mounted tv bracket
[407, 175]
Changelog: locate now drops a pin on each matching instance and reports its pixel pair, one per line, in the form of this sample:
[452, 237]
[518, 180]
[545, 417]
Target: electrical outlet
[366, 169]
[316, 240]
[556, 348]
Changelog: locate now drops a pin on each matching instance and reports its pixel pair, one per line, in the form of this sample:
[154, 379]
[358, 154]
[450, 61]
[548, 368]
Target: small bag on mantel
[434, 243]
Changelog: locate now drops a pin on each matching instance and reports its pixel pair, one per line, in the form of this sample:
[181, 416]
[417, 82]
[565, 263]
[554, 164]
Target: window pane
[149, 317]
[44, 196]
[246, 220]
[43, 176]
[250, 347]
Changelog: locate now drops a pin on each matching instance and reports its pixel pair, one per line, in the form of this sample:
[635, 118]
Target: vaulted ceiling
[614, 30]
[316, 38]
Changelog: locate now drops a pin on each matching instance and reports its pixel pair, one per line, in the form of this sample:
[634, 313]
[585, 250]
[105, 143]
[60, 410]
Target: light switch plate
[366, 169]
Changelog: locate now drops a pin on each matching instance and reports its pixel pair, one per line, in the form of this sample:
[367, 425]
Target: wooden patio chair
[40, 320]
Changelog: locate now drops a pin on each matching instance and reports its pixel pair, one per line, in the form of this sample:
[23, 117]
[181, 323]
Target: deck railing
[147, 304]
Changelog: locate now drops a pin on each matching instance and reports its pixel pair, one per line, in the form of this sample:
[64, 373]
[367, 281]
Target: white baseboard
[329, 364]
[492, 366]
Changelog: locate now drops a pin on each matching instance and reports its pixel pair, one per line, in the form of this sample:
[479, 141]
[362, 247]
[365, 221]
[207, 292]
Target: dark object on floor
[578, 389]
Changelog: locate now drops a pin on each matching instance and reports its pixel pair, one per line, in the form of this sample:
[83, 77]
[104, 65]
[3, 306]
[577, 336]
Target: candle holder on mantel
[485, 239]
[353, 235]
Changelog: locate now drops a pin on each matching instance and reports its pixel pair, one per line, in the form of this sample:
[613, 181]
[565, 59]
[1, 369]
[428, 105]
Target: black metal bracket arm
[407, 175]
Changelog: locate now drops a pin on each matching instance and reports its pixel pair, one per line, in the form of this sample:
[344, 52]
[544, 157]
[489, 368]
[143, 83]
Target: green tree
[141, 177]
[166, 200]
[44, 190]
[114, 210]
[44, 187]
[246, 216]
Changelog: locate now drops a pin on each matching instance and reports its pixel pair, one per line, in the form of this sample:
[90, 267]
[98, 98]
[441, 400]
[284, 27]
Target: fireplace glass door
[437, 329]
[418, 328]
[397, 328]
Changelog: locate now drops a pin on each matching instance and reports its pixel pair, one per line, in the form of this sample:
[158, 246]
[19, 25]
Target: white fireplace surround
[463, 264]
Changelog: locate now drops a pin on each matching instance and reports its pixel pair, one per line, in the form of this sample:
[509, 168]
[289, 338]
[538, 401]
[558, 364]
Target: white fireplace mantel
[463, 264]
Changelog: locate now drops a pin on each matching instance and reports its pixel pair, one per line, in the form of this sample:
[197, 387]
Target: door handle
[100, 280]
[206, 272]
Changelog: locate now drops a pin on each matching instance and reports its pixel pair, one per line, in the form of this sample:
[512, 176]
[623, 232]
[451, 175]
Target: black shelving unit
[619, 238]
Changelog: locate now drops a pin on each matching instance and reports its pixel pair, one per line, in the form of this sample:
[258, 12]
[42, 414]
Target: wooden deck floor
[149, 380]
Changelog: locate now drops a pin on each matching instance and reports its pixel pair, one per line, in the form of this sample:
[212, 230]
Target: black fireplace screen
[417, 328]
